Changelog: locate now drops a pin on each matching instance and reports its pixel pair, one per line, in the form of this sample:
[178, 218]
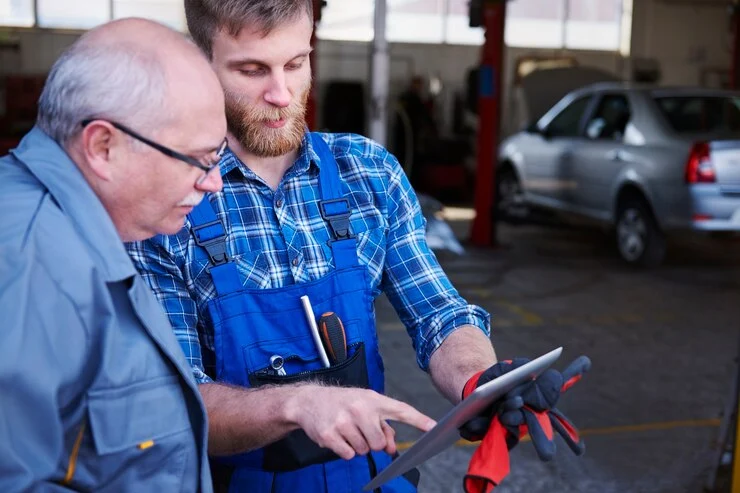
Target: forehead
[284, 42]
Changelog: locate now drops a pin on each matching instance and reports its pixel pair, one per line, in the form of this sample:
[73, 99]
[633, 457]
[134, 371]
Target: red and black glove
[496, 440]
[529, 408]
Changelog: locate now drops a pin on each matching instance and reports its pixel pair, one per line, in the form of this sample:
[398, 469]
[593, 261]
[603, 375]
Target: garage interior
[658, 409]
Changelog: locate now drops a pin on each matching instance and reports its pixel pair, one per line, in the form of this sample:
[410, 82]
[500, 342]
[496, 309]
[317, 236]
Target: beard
[247, 124]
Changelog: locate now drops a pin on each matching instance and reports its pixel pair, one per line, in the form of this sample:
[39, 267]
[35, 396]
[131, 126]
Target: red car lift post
[483, 232]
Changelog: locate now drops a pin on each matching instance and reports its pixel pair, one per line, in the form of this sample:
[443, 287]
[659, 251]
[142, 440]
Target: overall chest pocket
[297, 450]
[145, 423]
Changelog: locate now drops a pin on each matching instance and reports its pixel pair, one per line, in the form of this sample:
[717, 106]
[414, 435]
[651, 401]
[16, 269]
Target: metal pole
[379, 76]
[566, 16]
[35, 13]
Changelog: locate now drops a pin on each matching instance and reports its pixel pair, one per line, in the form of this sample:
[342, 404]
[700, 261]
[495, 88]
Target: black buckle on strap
[215, 247]
[338, 223]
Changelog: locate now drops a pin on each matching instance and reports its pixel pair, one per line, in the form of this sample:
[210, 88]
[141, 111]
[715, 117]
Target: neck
[270, 169]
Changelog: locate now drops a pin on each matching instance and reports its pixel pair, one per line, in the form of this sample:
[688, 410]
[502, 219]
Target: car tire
[510, 204]
[638, 237]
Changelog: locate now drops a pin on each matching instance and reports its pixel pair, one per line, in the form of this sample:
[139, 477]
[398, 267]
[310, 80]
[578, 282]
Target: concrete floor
[662, 343]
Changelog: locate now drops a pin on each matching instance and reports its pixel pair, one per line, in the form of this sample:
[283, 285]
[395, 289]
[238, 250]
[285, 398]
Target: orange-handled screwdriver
[333, 337]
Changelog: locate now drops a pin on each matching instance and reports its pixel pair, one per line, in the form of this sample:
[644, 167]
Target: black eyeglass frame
[166, 150]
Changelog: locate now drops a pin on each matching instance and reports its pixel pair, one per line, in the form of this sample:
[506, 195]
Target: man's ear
[100, 142]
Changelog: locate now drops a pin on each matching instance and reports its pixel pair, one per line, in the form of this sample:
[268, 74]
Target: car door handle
[616, 155]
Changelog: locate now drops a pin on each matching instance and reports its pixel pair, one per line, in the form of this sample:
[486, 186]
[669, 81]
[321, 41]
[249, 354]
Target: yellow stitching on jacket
[73, 456]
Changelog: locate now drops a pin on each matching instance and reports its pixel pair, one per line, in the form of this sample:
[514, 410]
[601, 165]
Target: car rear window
[698, 114]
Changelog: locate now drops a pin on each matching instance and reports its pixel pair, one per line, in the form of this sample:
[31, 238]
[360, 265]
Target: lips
[275, 123]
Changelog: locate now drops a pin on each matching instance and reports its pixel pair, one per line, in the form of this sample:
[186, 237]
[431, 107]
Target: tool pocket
[297, 450]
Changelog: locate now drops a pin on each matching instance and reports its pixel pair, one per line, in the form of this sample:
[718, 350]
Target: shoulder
[36, 229]
[356, 154]
[348, 144]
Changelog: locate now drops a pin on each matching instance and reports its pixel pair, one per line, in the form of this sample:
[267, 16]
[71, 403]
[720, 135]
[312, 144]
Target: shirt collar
[306, 156]
[52, 166]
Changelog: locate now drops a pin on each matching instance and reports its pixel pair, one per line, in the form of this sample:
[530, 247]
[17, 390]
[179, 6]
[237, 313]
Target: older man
[97, 395]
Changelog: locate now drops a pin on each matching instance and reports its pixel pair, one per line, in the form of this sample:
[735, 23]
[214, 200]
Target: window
[696, 114]
[351, 21]
[169, 12]
[16, 13]
[457, 25]
[408, 21]
[568, 122]
[416, 21]
[610, 119]
[73, 14]
[86, 14]
[578, 24]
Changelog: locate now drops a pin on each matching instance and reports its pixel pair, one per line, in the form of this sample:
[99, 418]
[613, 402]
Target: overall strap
[209, 234]
[334, 206]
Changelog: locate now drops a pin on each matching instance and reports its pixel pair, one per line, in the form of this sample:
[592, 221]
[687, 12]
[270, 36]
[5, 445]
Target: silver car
[645, 161]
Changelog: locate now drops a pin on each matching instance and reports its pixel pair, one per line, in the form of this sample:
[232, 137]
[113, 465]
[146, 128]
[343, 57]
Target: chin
[172, 227]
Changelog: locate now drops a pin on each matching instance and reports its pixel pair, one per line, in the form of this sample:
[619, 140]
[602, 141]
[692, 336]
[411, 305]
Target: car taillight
[699, 167]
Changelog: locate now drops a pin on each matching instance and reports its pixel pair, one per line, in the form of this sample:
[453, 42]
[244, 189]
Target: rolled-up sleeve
[417, 287]
[43, 350]
[155, 263]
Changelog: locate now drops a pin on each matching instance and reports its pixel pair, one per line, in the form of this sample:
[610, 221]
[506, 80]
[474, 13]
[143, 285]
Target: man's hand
[477, 427]
[528, 408]
[351, 421]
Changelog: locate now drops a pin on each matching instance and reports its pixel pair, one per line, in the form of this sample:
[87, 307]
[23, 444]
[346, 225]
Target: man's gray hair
[111, 81]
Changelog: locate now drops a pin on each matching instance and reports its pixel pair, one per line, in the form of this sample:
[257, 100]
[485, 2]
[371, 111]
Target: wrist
[471, 384]
[294, 398]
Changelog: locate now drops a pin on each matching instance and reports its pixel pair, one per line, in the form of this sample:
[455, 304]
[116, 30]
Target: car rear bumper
[713, 209]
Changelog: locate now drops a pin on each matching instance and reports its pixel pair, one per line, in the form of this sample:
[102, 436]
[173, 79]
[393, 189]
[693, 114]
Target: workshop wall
[688, 39]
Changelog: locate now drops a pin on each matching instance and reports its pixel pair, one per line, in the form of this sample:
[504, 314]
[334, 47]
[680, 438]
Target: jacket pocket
[130, 418]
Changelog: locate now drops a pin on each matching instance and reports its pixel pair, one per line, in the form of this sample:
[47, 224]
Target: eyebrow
[256, 61]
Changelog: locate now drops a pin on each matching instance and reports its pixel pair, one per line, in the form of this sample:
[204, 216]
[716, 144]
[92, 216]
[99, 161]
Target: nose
[211, 182]
[278, 94]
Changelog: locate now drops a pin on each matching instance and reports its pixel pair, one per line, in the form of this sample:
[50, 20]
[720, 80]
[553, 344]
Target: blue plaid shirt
[276, 239]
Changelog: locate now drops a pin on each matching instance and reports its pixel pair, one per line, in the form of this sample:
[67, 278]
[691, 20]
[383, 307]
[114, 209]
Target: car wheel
[510, 204]
[639, 240]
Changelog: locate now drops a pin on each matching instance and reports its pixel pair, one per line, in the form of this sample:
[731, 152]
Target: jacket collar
[53, 167]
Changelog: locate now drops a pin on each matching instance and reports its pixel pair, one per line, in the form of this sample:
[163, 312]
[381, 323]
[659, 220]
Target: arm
[44, 347]
[348, 421]
[450, 336]
[462, 354]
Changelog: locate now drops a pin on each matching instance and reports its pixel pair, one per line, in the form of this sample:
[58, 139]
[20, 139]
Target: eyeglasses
[207, 163]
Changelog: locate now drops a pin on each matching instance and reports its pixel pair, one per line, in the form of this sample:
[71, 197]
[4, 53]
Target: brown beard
[247, 125]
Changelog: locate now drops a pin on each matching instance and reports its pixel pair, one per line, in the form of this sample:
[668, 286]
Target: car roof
[654, 90]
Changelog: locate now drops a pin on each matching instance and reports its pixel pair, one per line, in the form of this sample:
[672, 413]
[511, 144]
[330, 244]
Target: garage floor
[662, 344]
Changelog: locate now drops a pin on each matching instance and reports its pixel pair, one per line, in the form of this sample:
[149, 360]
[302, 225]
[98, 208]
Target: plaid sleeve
[417, 287]
[154, 259]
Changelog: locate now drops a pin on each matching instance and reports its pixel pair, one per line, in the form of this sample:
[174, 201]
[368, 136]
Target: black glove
[477, 427]
[538, 415]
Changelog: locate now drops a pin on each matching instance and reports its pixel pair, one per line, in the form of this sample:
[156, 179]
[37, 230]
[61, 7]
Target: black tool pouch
[297, 450]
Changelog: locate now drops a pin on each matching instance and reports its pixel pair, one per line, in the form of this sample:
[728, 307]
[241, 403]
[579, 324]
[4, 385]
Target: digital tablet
[446, 432]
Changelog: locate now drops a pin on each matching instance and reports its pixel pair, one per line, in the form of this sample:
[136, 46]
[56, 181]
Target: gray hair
[112, 81]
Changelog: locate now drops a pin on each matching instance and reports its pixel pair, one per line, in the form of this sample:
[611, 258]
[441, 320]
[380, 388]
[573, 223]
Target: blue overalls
[252, 325]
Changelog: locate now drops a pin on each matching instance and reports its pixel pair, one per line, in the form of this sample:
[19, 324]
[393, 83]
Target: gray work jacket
[95, 393]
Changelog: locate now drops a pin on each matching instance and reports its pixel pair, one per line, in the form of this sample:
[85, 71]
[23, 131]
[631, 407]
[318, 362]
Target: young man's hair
[206, 17]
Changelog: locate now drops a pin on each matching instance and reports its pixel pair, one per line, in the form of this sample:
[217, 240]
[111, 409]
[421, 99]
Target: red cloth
[490, 462]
